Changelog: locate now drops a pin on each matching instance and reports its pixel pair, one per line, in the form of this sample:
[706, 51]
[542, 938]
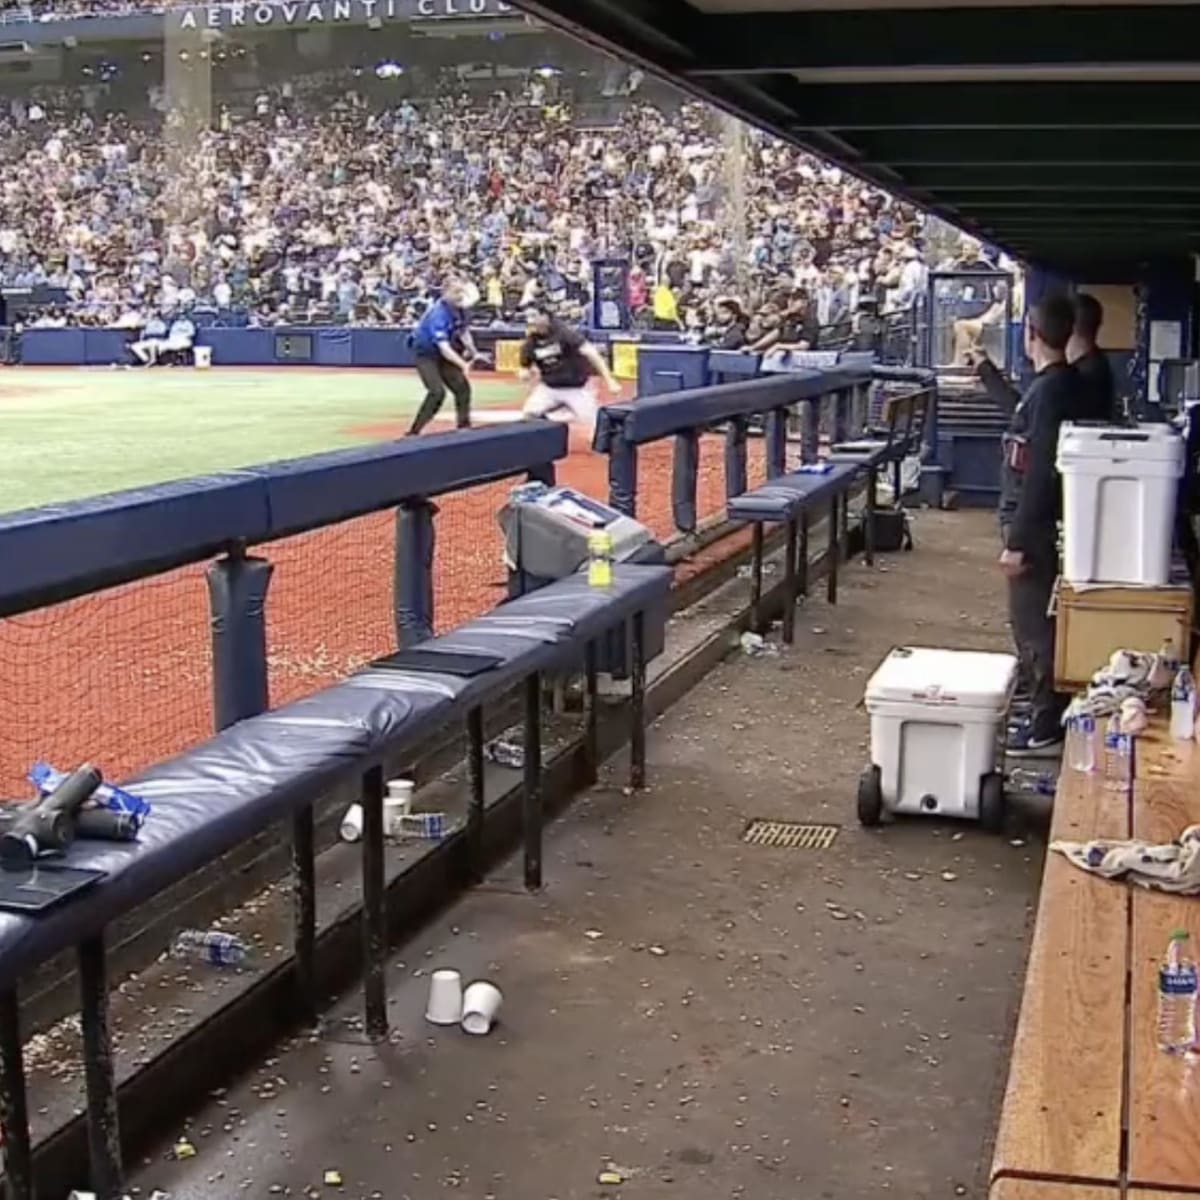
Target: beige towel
[1174, 867]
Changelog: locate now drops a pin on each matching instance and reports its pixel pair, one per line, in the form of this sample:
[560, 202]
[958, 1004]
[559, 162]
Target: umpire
[1029, 511]
[445, 352]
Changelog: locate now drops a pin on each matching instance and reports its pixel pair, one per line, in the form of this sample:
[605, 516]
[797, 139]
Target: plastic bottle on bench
[1118, 756]
[1081, 744]
[1177, 991]
[210, 946]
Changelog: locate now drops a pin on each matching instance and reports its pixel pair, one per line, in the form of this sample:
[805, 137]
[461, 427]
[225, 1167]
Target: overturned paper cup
[481, 1004]
[445, 1005]
[352, 824]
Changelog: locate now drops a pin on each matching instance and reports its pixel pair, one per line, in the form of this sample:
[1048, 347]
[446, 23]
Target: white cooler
[937, 718]
[1119, 488]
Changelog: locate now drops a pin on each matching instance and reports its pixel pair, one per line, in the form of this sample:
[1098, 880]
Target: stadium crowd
[318, 200]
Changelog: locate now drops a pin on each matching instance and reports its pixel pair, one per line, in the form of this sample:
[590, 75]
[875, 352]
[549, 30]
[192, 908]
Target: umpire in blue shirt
[445, 352]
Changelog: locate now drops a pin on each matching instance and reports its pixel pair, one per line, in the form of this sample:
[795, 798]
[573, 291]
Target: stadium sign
[266, 13]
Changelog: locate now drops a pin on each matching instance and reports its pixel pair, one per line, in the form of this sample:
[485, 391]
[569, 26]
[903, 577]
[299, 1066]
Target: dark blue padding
[46, 548]
[787, 497]
[657, 417]
[83, 545]
[867, 452]
[209, 800]
[325, 488]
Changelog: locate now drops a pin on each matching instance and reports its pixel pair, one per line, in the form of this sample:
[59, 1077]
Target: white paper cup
[445, 998]
[352, 824]
[481, 1004]
[401, 790]
[396, 805]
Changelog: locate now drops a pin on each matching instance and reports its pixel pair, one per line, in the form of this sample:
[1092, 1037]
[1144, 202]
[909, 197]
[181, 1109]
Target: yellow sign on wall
[508, 356]
[625, 360]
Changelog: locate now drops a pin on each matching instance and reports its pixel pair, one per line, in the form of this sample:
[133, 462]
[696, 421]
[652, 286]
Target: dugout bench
[789, 500]
[1093, 1109]
[275, 766]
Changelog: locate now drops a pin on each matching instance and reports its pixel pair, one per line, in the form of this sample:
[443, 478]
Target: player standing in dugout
[564, 362]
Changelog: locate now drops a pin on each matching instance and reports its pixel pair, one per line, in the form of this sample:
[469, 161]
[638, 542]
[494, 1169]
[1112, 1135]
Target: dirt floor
[699, 1017]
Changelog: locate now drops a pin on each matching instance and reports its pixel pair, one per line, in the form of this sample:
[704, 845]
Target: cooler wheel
[870, 797]
[992, 803]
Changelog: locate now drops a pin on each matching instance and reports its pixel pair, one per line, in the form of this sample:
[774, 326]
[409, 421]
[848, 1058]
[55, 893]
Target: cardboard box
[1095, 621]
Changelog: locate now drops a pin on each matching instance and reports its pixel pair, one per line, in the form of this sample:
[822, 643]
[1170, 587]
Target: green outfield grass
[71, 432]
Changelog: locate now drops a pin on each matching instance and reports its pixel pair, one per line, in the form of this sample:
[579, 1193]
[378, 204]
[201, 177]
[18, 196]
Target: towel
[1174, 867]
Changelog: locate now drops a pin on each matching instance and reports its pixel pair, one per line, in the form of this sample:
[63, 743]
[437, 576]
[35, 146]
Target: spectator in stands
[729, 325]
[445, 352]
[1089, 361]
[324, 199]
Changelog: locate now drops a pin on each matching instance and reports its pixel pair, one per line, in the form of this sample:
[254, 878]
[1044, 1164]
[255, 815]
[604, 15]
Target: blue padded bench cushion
[786, 497]
[210, 799]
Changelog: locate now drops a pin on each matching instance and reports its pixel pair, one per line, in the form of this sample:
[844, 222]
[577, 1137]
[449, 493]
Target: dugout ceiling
[1067, 133]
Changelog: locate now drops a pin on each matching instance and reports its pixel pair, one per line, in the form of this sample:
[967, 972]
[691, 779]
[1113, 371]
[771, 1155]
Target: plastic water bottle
[1118, 757]
[210, 946]
[1032, 783]
[1081, 744]
[1183, 706]
[1177, 989]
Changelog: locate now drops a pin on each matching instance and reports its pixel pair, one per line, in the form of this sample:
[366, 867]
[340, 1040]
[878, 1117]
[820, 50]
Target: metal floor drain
[789, 835]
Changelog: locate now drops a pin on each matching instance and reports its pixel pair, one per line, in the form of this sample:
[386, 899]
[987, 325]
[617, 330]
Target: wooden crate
[1093, 622]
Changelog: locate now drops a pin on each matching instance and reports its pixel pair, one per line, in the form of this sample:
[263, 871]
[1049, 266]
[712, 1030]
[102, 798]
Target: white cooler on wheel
[937, 723]
[1119, 487]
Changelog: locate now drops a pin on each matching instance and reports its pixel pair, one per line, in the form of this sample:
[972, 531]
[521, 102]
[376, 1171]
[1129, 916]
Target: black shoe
[1028, 742]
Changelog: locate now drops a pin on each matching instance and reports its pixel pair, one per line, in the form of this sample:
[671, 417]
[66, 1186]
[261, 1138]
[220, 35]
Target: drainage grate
[789, 835]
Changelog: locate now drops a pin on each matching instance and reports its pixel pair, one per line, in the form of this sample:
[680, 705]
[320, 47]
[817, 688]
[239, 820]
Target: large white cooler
[937, 717]
[1119, 488]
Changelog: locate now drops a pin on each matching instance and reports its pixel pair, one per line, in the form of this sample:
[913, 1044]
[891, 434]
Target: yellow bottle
[600, 558]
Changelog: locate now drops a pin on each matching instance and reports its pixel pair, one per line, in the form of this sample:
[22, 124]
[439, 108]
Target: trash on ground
[333, 1179]
[212, 946]
[757, 646]
[427, 826]
[184, 1149]
[504, 752]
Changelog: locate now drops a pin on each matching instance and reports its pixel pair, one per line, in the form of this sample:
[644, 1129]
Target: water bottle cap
[1181, 935]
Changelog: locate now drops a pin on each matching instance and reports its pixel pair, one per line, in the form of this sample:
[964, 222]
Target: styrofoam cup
[445, 998]
[352, 824]
[397, 805]
[481, 1004]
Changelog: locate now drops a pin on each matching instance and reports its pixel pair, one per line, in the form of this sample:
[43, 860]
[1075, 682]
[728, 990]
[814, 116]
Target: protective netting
[121, 679]
[469, 576]
[329, 606]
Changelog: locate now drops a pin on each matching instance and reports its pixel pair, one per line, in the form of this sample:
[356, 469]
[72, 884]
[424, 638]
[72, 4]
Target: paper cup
[352, 824]
[397, 805]
[481, 1004]
[445, 998]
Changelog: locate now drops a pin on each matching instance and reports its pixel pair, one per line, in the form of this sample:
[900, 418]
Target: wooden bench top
[1090, 1096]
[1037, 1189]
[1062, 1106]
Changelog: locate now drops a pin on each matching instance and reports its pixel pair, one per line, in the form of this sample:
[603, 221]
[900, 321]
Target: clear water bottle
[1032, 783]
[1177, 988]
[210, 946]
[1118, 757]
[1081, 744]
